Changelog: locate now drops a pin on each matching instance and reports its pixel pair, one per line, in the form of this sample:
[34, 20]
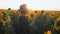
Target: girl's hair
[22, 6]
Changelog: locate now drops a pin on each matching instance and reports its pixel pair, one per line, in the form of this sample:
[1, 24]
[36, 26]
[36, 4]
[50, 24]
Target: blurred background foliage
[48, 19]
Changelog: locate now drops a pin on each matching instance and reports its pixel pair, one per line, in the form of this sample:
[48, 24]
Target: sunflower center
[58, 23]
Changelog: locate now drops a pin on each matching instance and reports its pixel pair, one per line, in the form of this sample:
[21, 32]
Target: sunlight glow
[32, 4]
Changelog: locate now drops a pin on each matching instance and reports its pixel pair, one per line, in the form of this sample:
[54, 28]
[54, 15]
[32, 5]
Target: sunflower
[48, 32]
[57, 24]
[32, 16]
[37, 12]
[3, 22]
[8, 18]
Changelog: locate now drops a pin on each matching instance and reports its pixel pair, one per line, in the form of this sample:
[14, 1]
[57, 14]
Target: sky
[32, 4]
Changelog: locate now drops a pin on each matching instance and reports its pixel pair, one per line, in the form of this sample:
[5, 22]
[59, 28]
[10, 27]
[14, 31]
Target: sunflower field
[47, 21]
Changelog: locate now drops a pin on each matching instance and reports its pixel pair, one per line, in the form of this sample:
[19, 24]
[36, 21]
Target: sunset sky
[32, 4]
